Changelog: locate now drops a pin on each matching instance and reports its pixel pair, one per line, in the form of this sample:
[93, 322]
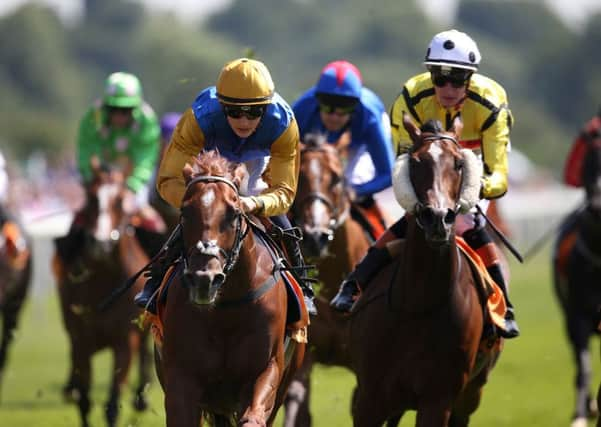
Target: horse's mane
[211, 163]
[318, 141]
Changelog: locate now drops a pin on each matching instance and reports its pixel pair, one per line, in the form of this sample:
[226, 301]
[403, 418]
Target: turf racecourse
[531, 385]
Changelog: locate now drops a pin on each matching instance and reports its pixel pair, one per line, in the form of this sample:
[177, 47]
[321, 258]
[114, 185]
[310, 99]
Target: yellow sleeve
[186, 142]
[400, 138]
[282, 173]
[495, 141]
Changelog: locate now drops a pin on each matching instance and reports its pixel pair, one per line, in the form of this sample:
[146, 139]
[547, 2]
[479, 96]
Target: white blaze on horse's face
[208, 198]
[436, 152]
[104, 224]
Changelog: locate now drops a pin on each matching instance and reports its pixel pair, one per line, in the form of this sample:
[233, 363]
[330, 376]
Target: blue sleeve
[379, 146]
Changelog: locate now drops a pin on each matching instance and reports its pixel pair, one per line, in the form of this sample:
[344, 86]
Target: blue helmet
[168, 123]
[340, 79]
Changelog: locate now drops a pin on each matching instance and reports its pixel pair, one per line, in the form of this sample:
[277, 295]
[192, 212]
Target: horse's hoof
[579, 422]
[71, 394]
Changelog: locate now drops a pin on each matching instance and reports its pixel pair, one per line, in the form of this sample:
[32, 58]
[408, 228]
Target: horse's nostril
[450, 217]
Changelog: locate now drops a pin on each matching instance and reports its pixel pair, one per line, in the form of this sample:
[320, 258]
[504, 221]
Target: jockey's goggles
[251, 112]
[333, 109]
[456, 77]
[118, 110]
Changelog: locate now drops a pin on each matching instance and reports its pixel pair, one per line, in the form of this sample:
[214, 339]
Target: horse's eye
[336, 179]
[459, 164]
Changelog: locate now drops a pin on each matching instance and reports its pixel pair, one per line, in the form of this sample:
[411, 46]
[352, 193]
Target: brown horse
[416, 331]
[576, 272]
[15, 278]
[226, 356]
[109, 255]
[335, 242]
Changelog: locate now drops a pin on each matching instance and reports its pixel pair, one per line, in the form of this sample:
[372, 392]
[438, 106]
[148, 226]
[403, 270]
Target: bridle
[421, 207]
[211, 248]
[339, 213]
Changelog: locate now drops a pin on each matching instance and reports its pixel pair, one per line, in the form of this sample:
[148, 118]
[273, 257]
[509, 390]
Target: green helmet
[122, 90]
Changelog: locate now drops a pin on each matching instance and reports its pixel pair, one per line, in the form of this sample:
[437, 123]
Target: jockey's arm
[495, 142]
[143, 153]
[379, 146]
[186, 142]
[283, 170]
[88, 145]
[401, 142]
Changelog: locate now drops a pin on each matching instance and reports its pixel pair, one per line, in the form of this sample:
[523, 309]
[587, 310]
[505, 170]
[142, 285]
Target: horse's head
[436, 179]
[212, 224]
[321, 203]
[103, 214]
[591, 174]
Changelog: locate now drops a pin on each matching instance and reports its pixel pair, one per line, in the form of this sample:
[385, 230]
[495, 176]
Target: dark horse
[15, 278]
[416, 331]
[576, 271]
[226, 356]
[109, 255]
[335, 242]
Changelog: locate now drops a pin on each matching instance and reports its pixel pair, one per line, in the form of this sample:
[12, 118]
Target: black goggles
[457, 80]
[118, 110]
[251, 112]
[333, 109]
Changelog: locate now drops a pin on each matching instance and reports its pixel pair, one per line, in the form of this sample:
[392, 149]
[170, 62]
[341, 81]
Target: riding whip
[498, 232]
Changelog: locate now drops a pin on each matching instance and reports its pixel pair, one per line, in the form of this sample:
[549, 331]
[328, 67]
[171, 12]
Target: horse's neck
[590, 231]
[428, 272]
[243, 274]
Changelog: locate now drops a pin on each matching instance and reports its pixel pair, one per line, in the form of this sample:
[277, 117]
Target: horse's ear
[411, 128]
[187, 172]
[240, 178]
[95, 164]
[457, 127]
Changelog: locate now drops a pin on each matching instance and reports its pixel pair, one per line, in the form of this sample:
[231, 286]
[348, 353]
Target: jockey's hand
[129, 202]
[249, 205]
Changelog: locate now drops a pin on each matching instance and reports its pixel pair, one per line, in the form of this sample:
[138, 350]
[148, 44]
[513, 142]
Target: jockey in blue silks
[339, 103]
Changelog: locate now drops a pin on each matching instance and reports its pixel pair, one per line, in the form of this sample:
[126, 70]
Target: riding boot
[482, 243]
[292, 246]
[376, 258]
[171, 251]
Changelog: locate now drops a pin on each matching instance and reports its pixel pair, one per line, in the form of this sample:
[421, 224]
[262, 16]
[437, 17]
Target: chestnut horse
[15, 279]
[576, 272]
[225, 356]
[335, 242]
[110, 254]
[416, 331]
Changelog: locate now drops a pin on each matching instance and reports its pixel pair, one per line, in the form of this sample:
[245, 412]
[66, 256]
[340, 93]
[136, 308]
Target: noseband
[210, 248]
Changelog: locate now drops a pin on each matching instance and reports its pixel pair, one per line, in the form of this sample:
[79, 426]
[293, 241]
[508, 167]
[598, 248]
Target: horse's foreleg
[578, 331]
[434, 414]
[140, 402]
[296, 403]
[263, 396]
[367, 409]
[81, 374]
[181, 400]
[122, 356]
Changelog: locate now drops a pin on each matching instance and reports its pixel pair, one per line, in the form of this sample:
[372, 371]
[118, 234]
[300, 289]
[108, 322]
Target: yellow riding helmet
[245, 82]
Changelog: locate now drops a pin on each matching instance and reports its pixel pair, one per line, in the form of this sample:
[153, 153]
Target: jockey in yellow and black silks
[451, 87]
[248, 122]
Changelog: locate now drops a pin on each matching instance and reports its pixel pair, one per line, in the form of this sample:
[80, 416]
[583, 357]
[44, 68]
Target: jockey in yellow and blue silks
[451, 87]
[339, 103]
[248, 122]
